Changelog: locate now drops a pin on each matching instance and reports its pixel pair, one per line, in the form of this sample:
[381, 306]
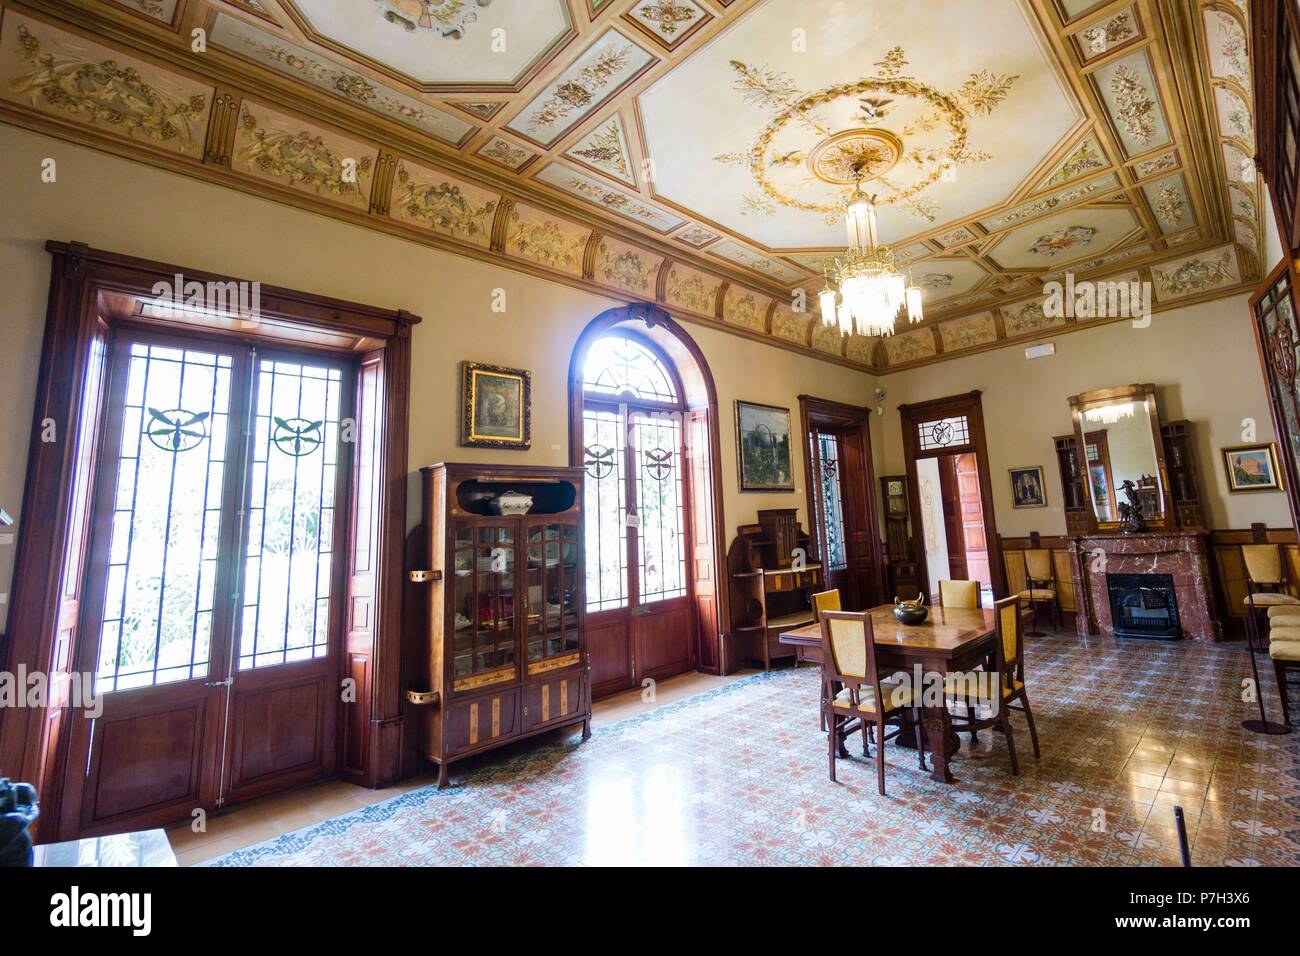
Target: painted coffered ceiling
[697, 152]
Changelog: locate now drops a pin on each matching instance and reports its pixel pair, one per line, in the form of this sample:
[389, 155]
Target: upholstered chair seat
[1270, 599]
[1283, 635]
[1284, 610]
[1037, 594]
[1284, 650]
[895, 694]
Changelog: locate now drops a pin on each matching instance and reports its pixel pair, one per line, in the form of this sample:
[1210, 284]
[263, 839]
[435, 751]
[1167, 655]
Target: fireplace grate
[1143, 606]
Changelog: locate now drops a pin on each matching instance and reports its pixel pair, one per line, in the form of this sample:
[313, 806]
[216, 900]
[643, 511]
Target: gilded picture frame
[764, 447]
[496, 406]
[1252, 468]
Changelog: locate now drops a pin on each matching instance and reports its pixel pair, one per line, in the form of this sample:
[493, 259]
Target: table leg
[938, 727]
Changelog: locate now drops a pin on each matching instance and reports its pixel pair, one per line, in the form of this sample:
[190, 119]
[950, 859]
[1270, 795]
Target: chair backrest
[825, 601]
[1009, 651]
[1263, 563]
[1038, 564]
[849, 652]
[960, 594]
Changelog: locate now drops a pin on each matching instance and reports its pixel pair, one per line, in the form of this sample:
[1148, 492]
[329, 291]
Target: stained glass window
[288, 555]
[620, 366]
[171, 472]
[830, 510]
[661, 554]
[635, 501]
[944, 433]
[604, 507]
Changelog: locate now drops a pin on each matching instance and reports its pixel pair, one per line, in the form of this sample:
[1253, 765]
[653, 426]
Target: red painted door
[970, 507]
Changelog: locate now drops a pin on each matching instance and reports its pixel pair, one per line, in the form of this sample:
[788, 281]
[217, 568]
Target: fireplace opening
[1144, 606]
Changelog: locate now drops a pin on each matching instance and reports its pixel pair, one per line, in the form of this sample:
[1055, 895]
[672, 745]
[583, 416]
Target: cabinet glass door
[552, 581]
[484, 612]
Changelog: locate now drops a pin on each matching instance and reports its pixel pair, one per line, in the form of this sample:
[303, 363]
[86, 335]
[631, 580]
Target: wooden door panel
[609, 647]
[279, 728]
[149, 761]
[663, 640]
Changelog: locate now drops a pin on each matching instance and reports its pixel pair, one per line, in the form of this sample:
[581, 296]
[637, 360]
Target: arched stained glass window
[619, 366]
[635, 501]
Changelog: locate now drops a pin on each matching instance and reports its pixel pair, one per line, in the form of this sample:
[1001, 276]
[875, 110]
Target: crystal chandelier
[871, 290]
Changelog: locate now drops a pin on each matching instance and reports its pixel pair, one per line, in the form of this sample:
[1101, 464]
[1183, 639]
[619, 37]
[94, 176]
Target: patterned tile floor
[737, 776]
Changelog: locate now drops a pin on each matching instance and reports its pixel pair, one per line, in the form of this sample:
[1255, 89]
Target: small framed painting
[496, 404]
[1252, 468]
[1027, 488]
[763, 447]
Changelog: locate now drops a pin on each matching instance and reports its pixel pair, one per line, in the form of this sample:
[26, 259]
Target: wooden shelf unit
[767, 599]
[503, 654]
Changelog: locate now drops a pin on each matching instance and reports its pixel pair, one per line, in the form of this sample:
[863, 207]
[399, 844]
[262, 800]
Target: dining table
[948, 641]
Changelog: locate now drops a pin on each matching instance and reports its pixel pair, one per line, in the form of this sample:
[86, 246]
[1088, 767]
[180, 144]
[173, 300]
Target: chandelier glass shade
[871, 291]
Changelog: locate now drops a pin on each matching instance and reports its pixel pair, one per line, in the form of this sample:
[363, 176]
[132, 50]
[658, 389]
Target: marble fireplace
[1100, 559]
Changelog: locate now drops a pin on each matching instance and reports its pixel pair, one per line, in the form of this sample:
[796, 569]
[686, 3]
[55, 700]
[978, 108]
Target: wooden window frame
[41, 635]
[710, 652]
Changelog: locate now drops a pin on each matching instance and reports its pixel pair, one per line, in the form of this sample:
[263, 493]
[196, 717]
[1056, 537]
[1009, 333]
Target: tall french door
[212, 615]
[640, 615]
[841, 499]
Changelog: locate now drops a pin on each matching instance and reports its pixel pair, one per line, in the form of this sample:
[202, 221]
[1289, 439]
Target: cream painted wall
[1201, 359]
[130, 208]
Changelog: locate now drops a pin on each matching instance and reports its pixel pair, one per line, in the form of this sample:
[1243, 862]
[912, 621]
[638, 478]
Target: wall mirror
[1118, 432]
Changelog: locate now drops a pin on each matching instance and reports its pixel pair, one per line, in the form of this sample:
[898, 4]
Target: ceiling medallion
[931, 141]
[448, 17]
[855, 154]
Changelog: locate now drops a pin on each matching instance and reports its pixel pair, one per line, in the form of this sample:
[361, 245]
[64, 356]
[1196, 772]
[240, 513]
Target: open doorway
[952, 521]
[947, 470]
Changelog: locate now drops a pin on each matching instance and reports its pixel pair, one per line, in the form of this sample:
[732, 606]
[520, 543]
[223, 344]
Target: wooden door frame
[79, 274]
[1287, 267]
[910, 415]
[821, 412]
[652, 317]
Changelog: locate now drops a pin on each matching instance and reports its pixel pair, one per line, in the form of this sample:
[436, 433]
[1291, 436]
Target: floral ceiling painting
[697, 152]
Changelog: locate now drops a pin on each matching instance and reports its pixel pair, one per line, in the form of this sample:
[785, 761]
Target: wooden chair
[960, 594]
[1284, 650]
[1263, 572]
[857, 697]
[1040, 578]
[825, 601]
[821, 601]
[1008, 653]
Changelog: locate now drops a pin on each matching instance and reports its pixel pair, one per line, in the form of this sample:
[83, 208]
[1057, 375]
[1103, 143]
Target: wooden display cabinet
[504, 653]
[1078, 515]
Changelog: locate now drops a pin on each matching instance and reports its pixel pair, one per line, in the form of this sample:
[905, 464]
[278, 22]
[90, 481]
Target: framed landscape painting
[1252, 468]
[496, 409]
[763, 447]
